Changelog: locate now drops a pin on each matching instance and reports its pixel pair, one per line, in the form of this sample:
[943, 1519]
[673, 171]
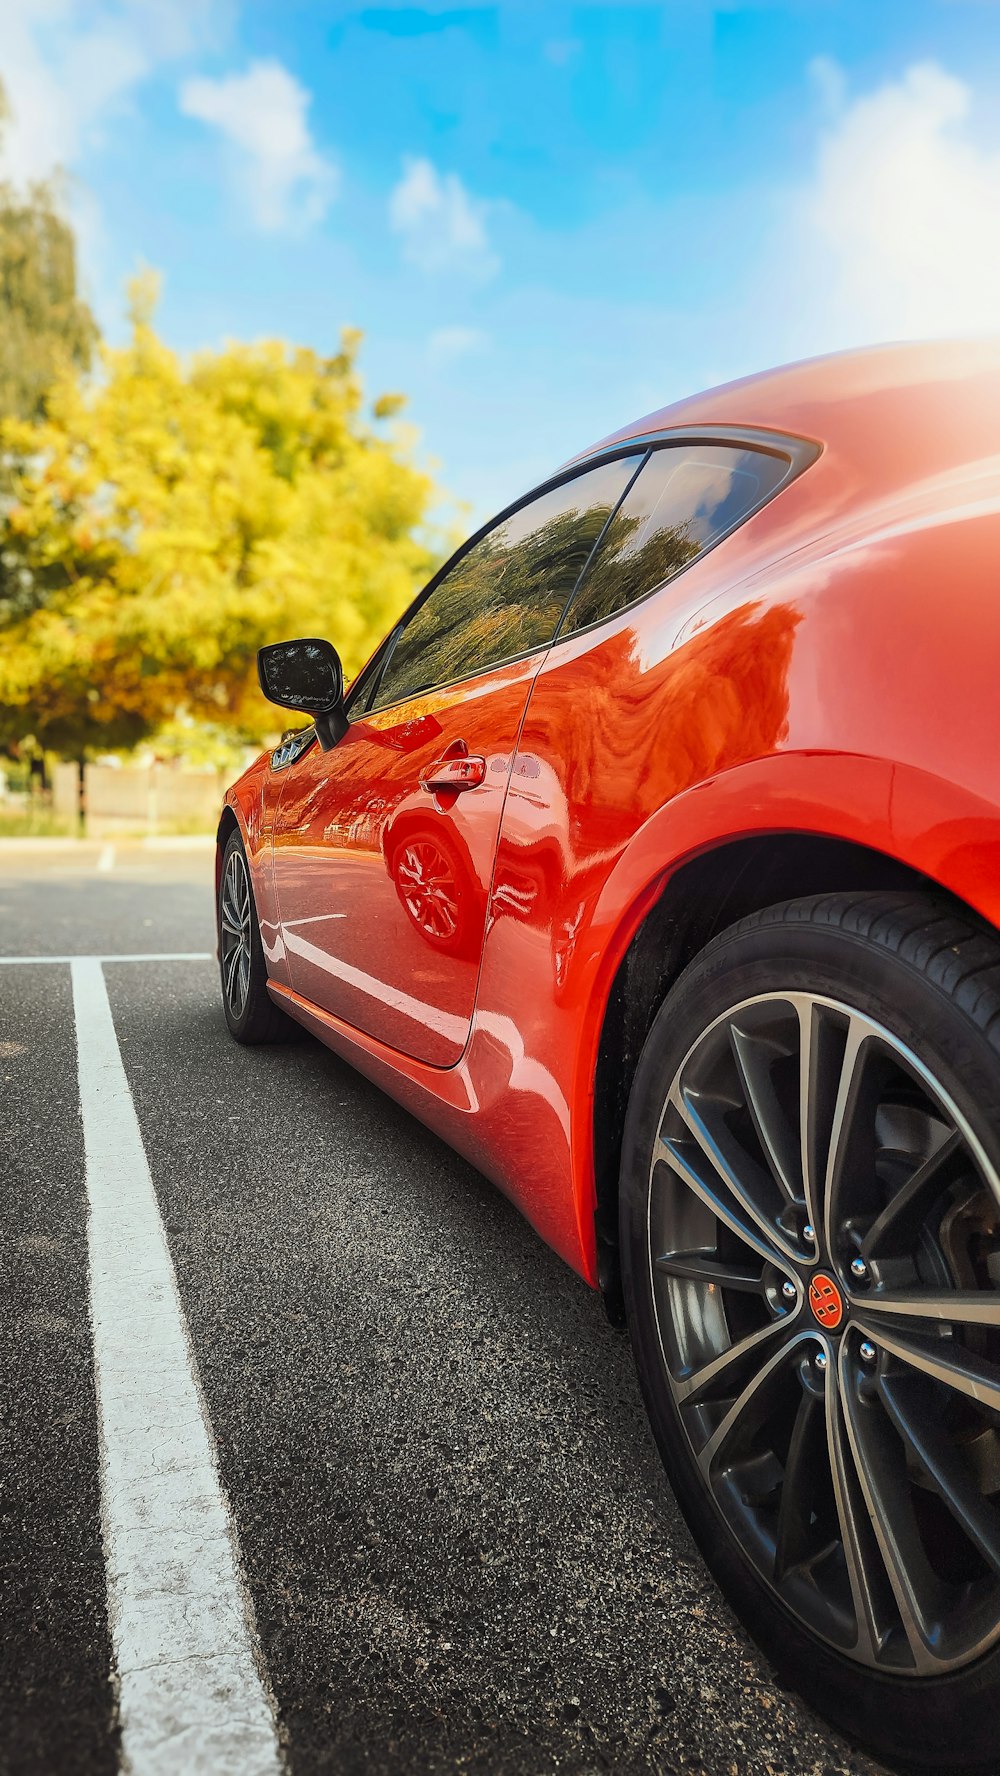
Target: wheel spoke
[699, 1268]
[967, 1307]
[943, 1359]
[230, 910]
[725, 1367]
[882, 1475]
[911, 1197]
[754, 1057]
[861, 1557]
[746, 1184]
[848, 1109]
[683, 1158]
[808, 1058]
[793, 1542]
[231, 967]
[751, 1403]
[241, 887]
[911, 1407]
[444, 914]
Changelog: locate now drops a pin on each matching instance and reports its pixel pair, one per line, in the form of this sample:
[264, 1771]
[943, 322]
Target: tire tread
[944, 945]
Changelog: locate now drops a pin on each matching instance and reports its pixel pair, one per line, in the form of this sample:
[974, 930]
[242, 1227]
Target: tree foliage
[159, 524]
[44, 325]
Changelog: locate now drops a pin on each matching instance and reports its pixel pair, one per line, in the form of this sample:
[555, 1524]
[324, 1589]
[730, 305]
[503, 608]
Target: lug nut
[859, 1270]
[820, 1360]
[789, 1291]
[868, 1351]
[809, 1233]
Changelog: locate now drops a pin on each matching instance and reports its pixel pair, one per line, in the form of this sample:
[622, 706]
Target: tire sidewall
[915, 1724]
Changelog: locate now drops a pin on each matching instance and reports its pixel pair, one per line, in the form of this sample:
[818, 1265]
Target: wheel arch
[228, 823]
[703, 895]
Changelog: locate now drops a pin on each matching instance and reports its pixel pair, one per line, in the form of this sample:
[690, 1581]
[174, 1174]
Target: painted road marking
[191, 1695]
[106, 861]
[152, 956]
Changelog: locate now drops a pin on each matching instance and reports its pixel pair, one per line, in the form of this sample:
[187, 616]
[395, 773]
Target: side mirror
[306, 675]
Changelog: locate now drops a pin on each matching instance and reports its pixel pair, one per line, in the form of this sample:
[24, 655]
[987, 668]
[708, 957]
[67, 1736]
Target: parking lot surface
[457, 1546]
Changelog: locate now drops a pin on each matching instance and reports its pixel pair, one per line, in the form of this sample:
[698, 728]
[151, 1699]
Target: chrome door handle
[454, 773]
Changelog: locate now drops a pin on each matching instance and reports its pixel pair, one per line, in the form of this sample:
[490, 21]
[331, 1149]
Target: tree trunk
[81, 795]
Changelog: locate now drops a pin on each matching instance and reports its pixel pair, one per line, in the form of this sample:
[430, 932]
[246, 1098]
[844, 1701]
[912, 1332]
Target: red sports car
[653, 860]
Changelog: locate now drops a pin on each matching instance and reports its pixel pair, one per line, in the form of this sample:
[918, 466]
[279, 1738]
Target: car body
[700, 738]
[805, 679]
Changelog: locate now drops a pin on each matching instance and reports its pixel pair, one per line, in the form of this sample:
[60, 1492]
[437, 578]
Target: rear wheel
[810, 1228]
[251, 1014]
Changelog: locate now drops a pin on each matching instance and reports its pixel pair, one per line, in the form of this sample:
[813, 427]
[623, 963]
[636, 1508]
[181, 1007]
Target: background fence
[147, 799]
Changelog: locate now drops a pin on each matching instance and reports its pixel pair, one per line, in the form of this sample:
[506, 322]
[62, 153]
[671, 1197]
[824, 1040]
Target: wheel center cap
[826, 1301]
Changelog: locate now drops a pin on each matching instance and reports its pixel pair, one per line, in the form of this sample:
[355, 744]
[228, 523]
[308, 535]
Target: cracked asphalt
[460, 1548]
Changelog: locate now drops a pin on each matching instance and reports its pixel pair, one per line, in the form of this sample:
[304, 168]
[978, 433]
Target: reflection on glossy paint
[597, 761]
[436, 888]
[403, 1004]
[394, 878]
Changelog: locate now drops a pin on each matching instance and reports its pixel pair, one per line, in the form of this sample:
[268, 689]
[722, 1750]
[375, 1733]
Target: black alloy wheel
[810, 1222]
[251, 1013]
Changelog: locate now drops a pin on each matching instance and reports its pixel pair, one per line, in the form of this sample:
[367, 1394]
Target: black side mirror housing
[306, 675]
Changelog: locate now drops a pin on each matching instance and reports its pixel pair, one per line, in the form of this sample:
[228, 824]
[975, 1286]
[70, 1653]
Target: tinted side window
[506, 594]
[686, 496]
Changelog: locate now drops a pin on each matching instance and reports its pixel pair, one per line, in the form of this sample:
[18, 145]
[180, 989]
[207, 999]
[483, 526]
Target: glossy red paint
[828, 669]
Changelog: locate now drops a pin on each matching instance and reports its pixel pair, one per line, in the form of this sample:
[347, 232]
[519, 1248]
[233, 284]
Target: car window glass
[505, 596]
[684, 499]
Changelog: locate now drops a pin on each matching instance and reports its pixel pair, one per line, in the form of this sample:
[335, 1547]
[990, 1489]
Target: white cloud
[263, 115]
[899, 230]
[68, 69]
[442, 227]
[447, 344]
[66, 65]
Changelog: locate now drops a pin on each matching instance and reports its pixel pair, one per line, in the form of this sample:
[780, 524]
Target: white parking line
[191, 1696]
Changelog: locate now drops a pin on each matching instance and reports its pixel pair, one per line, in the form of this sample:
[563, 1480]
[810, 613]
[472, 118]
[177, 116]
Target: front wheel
[810, 1232]
[251, 1013]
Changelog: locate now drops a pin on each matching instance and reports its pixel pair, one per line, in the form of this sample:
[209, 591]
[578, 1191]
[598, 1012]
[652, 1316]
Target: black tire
[250, 1012]
[928, 975]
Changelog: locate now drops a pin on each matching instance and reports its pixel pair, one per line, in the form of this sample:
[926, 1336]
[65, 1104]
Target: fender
[909, 815]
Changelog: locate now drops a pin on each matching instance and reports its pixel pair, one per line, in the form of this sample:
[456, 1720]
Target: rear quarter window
[686, 497]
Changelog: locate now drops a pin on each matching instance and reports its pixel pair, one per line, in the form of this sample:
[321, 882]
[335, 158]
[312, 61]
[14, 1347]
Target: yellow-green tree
[160, 523]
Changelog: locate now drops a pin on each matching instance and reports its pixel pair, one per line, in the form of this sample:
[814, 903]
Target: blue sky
[546, 218]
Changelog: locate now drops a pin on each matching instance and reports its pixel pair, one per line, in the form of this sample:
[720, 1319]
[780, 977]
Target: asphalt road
[459, 1547]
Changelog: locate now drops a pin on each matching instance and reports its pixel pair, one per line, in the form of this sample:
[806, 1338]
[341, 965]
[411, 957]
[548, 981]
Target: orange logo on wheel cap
[826, 1301]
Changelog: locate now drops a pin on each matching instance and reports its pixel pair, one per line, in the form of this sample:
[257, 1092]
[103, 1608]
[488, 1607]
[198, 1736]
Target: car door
[383, 847]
